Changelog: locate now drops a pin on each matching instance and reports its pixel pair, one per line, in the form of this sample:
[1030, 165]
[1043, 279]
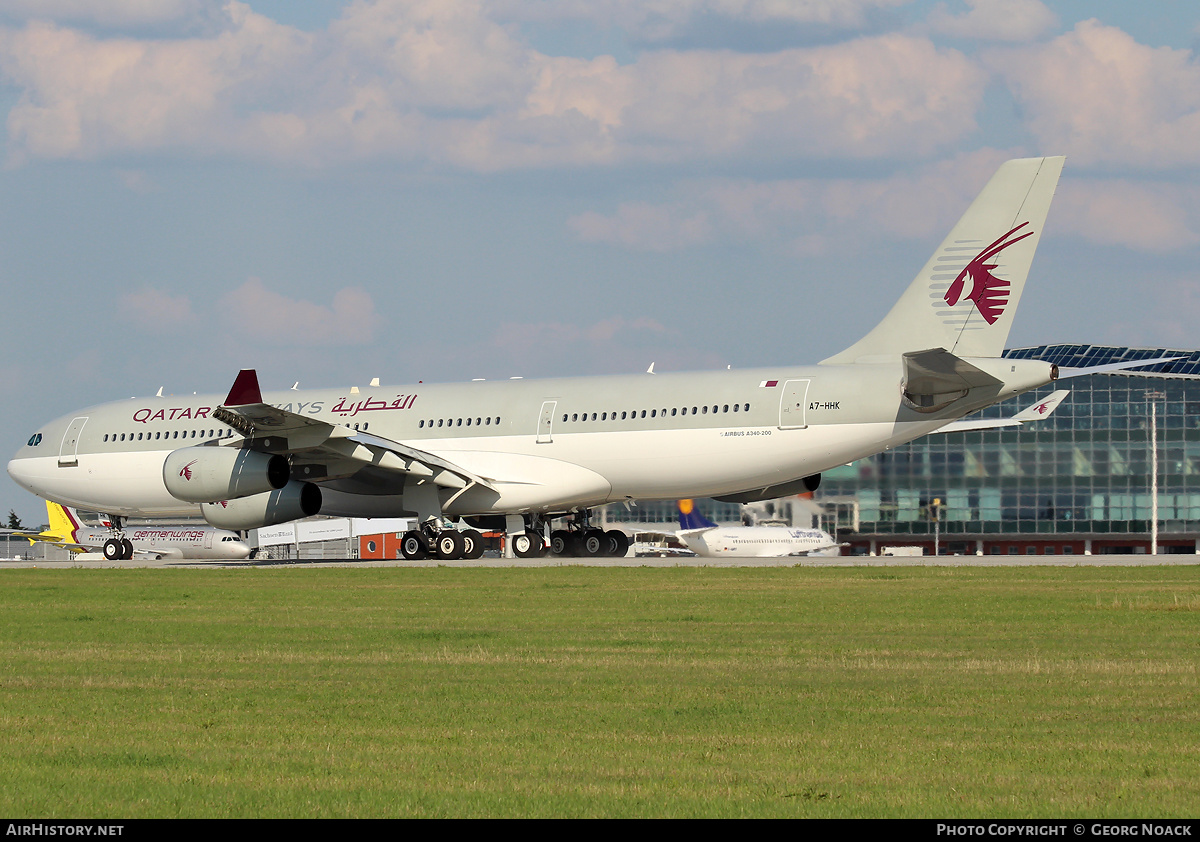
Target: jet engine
[204, 474]
[772, 492]
[292, 502]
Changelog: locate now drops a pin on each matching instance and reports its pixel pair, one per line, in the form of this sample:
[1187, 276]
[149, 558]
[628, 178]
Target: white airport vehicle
[66, 529]
[514, 454]
[705, 538]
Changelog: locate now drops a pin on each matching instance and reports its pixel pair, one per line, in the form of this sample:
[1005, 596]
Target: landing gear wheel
[618, 543]
[561, 542]
[449, 545]
[593, 543]
[527, 545]
[473, 544]
[113, 549]
[412, 546]
[126, 549]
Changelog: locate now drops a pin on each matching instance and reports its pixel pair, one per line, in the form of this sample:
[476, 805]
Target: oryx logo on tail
[989, 293]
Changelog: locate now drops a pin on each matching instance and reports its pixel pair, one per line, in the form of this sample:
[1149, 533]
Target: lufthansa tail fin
[965, 297]
[690, 517]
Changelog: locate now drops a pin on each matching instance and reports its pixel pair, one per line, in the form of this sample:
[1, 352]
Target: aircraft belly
[670, 463]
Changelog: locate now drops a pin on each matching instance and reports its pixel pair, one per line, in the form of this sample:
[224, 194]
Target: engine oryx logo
[186, 470]
[988, 293]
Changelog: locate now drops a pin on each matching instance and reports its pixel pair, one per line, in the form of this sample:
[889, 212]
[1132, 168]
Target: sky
[442, 190]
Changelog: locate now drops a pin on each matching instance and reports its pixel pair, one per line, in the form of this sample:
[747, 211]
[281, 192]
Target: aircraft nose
[21, 470]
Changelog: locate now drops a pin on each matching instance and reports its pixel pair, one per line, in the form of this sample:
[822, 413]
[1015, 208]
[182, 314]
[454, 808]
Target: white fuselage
[756, 541]
[173, 541]
[547, 446]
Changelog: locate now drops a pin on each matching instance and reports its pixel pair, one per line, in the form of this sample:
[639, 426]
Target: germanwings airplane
[66, 529]
[705, 538]
[515, 454]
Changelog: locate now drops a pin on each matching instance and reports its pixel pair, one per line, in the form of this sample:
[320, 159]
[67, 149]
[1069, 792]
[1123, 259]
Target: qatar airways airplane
[517, 453]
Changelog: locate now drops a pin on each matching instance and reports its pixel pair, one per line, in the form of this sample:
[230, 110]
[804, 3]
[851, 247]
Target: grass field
[915, 692]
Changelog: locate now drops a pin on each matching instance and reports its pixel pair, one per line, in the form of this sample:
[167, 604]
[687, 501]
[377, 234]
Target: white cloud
[257, 314]
[658, 20]
[1141, 216]
[85, 97]
[644, 227]
[812, 215]
[995, 20]
[442, 82]
[108, 12]
[608, 345]
[1100, 97]
[157, 311]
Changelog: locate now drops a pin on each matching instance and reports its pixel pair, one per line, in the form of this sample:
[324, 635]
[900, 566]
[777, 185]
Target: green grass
[918, 692]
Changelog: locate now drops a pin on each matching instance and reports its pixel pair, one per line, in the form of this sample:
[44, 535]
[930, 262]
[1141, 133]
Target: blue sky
[408, 189]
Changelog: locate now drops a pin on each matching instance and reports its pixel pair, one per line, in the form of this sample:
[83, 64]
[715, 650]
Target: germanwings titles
[520, 453]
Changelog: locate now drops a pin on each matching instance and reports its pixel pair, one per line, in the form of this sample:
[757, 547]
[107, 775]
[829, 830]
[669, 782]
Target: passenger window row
[459, 422]
[654, 413]
[169, 434]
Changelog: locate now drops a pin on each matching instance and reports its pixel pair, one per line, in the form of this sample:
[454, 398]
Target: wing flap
[330, 451]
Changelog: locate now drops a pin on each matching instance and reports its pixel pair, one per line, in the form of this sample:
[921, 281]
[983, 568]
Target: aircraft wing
[1036, 412]
[831, 546]
[323, 451]
[31, 537]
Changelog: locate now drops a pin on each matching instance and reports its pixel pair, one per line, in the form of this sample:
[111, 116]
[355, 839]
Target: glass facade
[1085, 471]
[1076, 482]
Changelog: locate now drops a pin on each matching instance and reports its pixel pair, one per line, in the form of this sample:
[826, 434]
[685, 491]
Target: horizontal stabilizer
[1064, 373]
[935, 377]
[1038, 411]
[937, 371]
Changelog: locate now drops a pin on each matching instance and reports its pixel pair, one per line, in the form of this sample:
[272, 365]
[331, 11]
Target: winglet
[245, 389]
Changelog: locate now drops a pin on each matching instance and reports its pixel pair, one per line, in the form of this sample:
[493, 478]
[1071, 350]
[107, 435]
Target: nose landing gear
[118, 547]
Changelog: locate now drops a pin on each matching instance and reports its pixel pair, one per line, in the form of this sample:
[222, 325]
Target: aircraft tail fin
[690, 517]
[965, 297]
[63, 522]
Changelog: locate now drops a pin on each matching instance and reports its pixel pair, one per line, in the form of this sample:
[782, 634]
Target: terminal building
[1079, 482]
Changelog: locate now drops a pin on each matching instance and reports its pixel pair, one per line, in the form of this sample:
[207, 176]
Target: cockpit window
[35, 439]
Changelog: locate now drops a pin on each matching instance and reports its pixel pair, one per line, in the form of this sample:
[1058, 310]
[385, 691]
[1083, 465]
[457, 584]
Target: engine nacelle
[205, 474]
[772, 492]
[292, 502]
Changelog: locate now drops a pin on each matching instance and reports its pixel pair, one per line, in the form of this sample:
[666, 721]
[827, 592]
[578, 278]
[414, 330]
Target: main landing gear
[582, 539]
[433, 541]
[578, 539]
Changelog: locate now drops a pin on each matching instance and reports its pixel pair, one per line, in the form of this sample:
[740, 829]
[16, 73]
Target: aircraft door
[546, 422]
[792, 405]
[68, 450]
